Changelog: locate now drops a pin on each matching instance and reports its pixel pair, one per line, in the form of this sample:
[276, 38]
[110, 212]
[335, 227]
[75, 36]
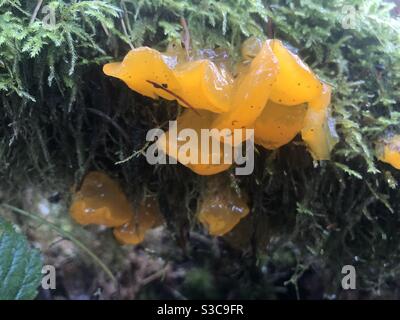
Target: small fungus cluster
[388, 150]
[271, 91]
[100, 201]
[221, 207]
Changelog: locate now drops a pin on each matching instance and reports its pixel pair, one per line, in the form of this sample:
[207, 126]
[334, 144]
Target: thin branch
[109, 119]
[185, 36]
[159, 86]
[35, 12]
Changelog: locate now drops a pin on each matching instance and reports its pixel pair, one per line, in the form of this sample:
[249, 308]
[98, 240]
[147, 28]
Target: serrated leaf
[20, 265]
[349, 171]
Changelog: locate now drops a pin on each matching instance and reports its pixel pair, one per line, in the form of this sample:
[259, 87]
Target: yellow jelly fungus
[100, 201]
[188, 150]
[145, 71]
[203, 86]
[278, 124]
[146, 217]
[269, 93]
[295, 82]
[389, 151]
[319, 128]
[251, 91]
[194, 84]
[221, 208]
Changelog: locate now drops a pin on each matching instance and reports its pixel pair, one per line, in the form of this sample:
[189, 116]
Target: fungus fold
[147, 216]
[319, 127]
[278, 124]
[188, 148]
[251, 91]
[143, 69]
[221, 207]
[295, 82]
[271, 91]
[100, 201]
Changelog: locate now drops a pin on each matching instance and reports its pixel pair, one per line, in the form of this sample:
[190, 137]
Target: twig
[155, 275]
[35, 12]
[109, 119]
[134, 154]
[126, 32]
[185, 36]
[159, 86]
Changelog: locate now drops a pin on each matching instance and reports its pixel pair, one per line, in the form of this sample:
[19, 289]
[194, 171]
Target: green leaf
[20, 265]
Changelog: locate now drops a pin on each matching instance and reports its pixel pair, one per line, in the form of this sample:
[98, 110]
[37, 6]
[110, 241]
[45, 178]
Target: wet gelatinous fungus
[388, 150]
[189, 149]
[198, 84]
[221, 208]
[141, 68]
[251, 91]
[278, 124]
[147, 216]
[295, 82]
[100, 201]
[319, 127]
[203, 86]
[273, 92]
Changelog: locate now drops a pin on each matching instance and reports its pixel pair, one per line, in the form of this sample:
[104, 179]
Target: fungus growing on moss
[295, 82]
[319, 128]
[203, 86]
[274, 92]
[100, 201]
[194, 84]
[140, 68]
[251, 91]
[388, 150]
[147, 216]
[221, 208]
[192, 155]
[278, 124]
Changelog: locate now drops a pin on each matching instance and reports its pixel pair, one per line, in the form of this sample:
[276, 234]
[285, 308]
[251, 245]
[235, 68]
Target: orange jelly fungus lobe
[319, 127]
[188, 149]
[389, 151]
[295, 82]
[278, 124]
[147, 216]
[251, 91]
[140, 66]
[273, 92]
[221, 208]
[100, 201]
[196, 84]
[203, 86]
